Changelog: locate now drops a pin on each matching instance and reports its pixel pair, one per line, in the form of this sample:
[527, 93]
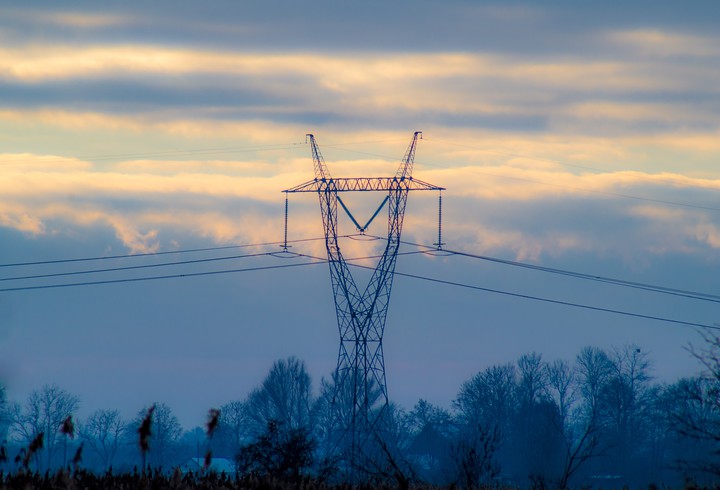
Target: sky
[581, 136]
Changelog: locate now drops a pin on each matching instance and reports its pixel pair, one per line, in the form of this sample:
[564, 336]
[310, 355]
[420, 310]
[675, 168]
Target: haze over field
[583, 137]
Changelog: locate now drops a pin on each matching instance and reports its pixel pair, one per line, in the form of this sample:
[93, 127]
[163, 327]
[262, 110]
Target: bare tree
[582, 444]
[332, 421]
[4, 414]
[103, 433]
[431, 429]
[44, 412]
[486, 407]
[562, 387]
[284, 397]
[426, 414]
[581, 392]
[534, 441]
[488, 399]
[165, 431]
[474, 456]
[233, 430]
[709, 356]
[532, 383]
[626, 406]
[694, 409]
[286, 455]
[594, 370]
[331, 412]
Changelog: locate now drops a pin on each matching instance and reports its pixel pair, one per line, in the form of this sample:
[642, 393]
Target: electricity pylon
[360, 376]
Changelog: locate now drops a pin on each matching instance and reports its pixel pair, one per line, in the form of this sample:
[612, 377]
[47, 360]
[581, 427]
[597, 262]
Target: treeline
[597, 421]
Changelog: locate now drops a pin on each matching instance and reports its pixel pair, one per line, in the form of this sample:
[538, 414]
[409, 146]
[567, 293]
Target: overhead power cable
[133, 267]
[171, 264]
[190, 151]
[609, 280]
[577, 275]
[319, 260]
[427, 248]
[549, 300]
[152, 254]
[191, 274]
[169, 276]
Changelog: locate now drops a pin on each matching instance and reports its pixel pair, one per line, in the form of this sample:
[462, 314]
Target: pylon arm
[364, 184]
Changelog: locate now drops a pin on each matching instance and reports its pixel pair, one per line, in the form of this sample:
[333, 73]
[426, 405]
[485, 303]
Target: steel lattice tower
[361, 393]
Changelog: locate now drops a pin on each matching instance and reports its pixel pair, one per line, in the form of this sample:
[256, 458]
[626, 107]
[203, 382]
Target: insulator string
[285, 245]
[439, 243]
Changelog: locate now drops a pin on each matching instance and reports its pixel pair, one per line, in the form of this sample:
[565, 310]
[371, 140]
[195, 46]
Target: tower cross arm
[368, 184]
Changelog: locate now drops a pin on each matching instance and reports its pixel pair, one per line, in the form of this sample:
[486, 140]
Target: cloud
[17, 218]
[708, 233]
[171, 85]
[531, 130]
[537, 120]
[148, 202]
[77, 19]
[658, 43]
[11, 163]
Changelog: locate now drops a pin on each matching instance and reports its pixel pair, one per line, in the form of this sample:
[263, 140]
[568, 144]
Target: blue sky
[580, 136]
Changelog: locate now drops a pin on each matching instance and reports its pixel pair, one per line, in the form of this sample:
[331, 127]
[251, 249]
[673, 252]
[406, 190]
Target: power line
[319, 260]
[190, 151]
[548, 300]
[608, 280]
[133, 267]
[151, 254]
[177, 263]
[170, 276]
[579, 275]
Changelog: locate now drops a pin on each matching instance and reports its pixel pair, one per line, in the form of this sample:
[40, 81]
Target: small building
[217, 465]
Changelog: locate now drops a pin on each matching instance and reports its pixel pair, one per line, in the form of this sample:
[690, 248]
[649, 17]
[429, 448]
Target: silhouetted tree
[103, 432]
[488, 399]
[581, 393]
[284, 397]
[475, 458]
[384, 457]
[44, 411]
[486, 407]
[535, 443]
[626, 406]
[233, 429]
[694, 410]
[532, 379]
[165, 431]
[660, 438]
[286, 454]
[332, 415]
[594, 370]
[4, 414]
[562, 388]
[431, 429]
